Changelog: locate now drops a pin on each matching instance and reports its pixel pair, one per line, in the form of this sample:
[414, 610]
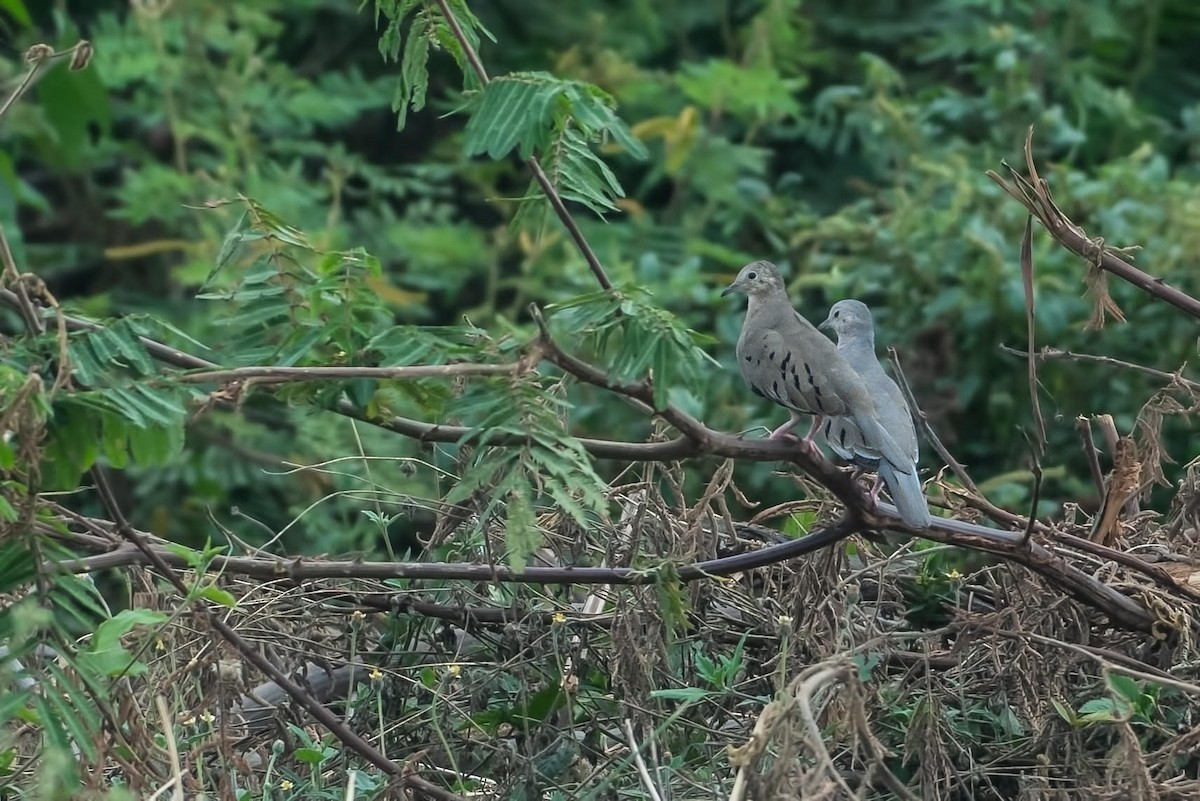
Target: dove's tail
[905, 489]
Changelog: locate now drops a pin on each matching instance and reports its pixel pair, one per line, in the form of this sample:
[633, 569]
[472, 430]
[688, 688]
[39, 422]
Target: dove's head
[849, 318]
[757, 279]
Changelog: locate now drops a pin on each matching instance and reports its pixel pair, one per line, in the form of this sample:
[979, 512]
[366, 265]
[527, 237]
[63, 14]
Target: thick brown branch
[300, 569]
[697, 439]
[1121, 610]
[1034, 194]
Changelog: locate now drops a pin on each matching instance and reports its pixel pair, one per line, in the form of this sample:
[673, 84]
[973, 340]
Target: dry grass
[858, 671]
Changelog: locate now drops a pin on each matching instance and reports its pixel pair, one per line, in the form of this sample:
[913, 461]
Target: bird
[851, 321]
[785, 359]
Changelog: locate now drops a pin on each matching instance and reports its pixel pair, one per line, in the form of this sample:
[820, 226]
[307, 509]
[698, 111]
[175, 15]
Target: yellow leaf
[660, 127]
[394, 295]
[678, 134]
[136, 251]
[631, 206]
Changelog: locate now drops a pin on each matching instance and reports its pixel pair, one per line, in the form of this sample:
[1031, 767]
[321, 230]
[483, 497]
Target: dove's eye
[752, 275]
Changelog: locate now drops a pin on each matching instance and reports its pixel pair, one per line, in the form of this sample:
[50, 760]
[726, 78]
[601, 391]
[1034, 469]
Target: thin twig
[943, 453]
[280, 375]
[41, 58]
[809, 684]
[174, 785]
[1110, 660]
[23, 304]
[1084, 426]
[1068, 355]
[1030, 325]
[539, 175]
[643, 773]
[1035, 494]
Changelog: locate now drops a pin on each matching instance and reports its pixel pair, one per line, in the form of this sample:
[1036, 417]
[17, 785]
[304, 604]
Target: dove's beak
[827, 325]
[731, 288]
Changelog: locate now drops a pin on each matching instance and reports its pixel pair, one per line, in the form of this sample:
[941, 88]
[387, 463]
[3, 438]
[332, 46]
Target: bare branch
[1108, 659]
[281, 375]
[1034, 194]
[1031, 324]
[1084, 426]
[1048, 353]
[1121, 610]
[539, 175]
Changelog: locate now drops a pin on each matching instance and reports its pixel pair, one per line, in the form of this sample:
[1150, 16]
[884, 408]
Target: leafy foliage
[244, 155]
[550, 463]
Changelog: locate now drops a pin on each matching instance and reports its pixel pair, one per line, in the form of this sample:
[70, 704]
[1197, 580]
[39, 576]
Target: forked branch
[1032, 192]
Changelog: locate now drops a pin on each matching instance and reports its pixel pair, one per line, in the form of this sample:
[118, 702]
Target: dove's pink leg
[783, 431]
[875, 488]
[806, 442]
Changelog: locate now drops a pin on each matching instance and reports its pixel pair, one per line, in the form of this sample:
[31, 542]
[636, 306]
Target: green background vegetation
[845, 141]
[213, 146]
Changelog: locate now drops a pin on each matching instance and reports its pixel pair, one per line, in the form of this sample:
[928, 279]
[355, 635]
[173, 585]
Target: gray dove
[851, 321]
[786, 360]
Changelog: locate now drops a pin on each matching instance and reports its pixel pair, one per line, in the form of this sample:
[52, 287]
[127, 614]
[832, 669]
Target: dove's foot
[783, 432]
[875, 488]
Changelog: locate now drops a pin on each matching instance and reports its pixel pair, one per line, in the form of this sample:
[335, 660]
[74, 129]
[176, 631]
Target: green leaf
[544, 703]
[685, 694]
[105, 655]
[17, 565]
[213, 593]
[1124, 687]
[7, 513]
[65, 723]
[71, 444]
[16, 8]
[521, 530]
[1100, 710]
[414, 72]
[72, 101]
[55, 733]
[312, 756]
[866, 663]
[12, 701]
[514, 112]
